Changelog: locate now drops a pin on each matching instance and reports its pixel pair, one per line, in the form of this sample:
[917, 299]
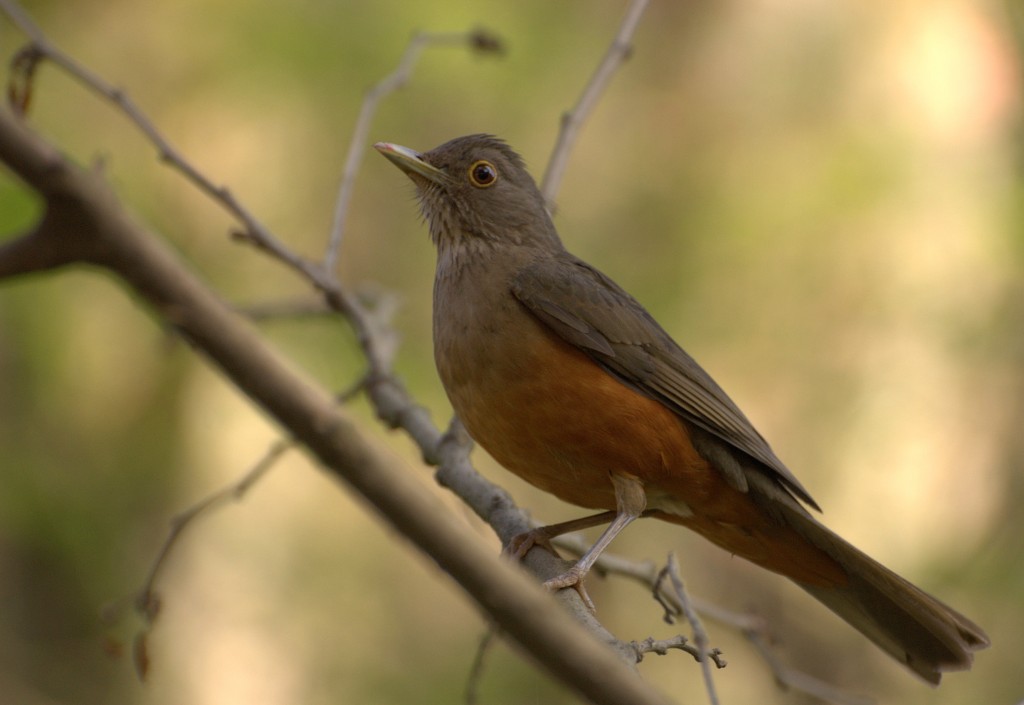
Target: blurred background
[820, 199]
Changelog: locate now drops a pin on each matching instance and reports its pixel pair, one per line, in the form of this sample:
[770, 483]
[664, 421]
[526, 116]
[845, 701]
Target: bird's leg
[521, 544]
[630, 502]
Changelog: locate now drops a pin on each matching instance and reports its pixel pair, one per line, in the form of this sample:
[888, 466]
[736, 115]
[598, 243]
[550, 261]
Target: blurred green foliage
[821, 200]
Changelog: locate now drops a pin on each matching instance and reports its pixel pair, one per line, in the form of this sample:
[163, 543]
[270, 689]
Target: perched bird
[567, 381]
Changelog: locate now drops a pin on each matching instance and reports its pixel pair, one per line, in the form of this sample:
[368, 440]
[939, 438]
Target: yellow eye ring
[483, 174]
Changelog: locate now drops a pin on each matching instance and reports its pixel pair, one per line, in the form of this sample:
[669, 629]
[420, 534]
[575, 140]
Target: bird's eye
[483, 174]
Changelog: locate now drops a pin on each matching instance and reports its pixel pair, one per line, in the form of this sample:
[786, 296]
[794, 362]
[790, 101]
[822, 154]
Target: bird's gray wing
[587, 309]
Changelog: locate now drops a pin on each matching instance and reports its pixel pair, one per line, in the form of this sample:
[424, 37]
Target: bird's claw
[521, 544]
[572, 578]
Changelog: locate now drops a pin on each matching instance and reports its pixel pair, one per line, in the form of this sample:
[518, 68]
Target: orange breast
[548, 413]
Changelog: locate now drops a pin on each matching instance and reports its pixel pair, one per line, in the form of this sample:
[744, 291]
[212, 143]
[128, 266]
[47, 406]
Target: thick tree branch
[27, 253]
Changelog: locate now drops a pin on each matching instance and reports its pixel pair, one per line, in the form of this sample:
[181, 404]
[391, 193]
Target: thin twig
[700, 636]
[679, 642]
[304, 307]
[476, 670]
[617, 53]
[146, 599]
[478, 40]
[232, 493]
[791, 679]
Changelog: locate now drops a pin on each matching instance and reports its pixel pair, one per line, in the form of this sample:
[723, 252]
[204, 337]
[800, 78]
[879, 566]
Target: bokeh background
[821, 199]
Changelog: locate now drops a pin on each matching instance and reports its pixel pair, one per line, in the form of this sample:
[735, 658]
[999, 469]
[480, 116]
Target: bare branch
[232, 493]
[24, 255]
[147, 601]
[572, 121]
[304, 307]
[792, 679]
[680, 642]
[476, 671]
[478, 40]
[700, 635]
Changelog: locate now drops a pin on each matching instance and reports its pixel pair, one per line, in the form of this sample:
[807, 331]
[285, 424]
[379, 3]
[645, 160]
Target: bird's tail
[912, 626]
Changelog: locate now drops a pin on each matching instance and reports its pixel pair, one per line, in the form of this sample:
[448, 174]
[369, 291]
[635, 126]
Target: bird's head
[475, 190]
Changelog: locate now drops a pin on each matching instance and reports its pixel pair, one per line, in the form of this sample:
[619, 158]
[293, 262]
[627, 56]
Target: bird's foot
[521, 544]
[572, 578]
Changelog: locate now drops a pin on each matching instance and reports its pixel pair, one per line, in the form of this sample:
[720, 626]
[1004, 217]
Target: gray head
[475, 191]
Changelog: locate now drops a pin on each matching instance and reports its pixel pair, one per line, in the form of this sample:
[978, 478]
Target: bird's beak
[411, 162]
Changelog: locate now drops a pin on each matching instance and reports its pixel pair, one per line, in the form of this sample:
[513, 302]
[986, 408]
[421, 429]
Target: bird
[567, 381]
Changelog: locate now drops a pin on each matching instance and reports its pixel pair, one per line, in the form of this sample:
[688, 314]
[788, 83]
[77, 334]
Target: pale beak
[411, 162]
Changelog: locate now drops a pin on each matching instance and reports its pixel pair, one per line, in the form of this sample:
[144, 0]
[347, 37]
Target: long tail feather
[915, 628]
